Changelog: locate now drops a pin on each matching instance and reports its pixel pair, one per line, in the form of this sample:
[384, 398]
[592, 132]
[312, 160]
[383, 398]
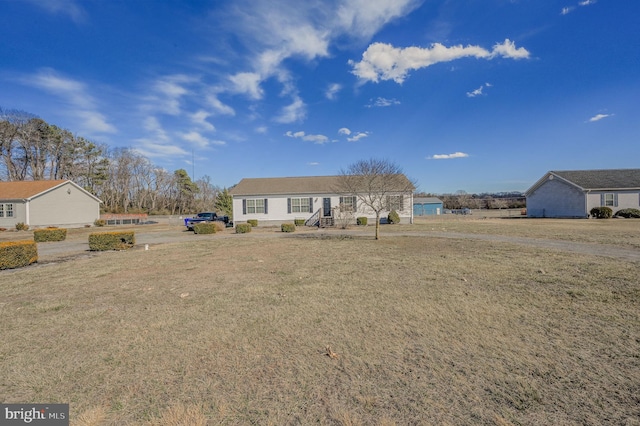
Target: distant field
[333, 328]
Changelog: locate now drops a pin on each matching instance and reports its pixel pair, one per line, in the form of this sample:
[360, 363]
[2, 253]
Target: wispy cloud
[200, 118]
[344, 131]
[153, 149]
[382, 61]
[317, 139]
[296, 111]
[567, 10]
[448, 156]
[478, 91]
[332, 91]
[75, 94]
[587, 2]
[357, 136]
[382, 102]
[599, 117]
[70, 8]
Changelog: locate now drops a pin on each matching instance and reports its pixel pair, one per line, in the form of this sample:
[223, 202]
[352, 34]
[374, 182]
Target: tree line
[125, 180]
[461, 200]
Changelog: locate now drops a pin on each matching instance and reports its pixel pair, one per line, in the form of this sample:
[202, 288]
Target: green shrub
[628, 213]
[393, 217]
[243, 228]
[288, 227]
[601, 212]
[299, 222]
[253, 222]
[49, 234]
[16, 254]
[361, 221]
[99, 222]
[20, 226]
[111, 240]
[204, 228]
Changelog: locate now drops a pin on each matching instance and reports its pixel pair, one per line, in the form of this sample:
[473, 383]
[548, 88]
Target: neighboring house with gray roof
[47, 203]
[312, 198]
[572, 194]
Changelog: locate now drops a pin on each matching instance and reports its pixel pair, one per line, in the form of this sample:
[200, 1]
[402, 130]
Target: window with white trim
[6, 210]
[395, 202]
[300, 205]
[609, 200]
[255, 206]
[348, 204]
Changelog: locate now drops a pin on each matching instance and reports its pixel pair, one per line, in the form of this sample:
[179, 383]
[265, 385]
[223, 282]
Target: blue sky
[473, 95]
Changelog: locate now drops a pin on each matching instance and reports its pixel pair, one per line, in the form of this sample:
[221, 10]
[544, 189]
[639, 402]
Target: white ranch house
[314, 198]
[46, 203]
[572, 194]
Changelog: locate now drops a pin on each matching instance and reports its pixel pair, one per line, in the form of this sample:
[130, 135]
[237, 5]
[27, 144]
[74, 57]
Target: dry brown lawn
[331, 329]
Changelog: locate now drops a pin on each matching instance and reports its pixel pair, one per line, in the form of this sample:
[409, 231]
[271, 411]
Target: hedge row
[628, 213]
[111, 240]
[601, 212]
[16, 254]
[204, 228]
[49, 234]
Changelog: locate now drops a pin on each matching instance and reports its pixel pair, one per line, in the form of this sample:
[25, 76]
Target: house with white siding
[315, 199]
[572, 194]
[47, 203]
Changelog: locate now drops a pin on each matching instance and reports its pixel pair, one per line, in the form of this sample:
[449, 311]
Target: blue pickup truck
[206, 217]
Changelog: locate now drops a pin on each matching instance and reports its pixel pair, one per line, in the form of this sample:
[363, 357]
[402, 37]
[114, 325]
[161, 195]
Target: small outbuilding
[47, 203]
[572, 194]
[427, 206]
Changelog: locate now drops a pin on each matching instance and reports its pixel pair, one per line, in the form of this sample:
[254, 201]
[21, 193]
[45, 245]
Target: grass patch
[413, 328]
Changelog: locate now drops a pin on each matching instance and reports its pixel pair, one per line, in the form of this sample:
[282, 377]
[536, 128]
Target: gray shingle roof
[288, 185]
[602, 179]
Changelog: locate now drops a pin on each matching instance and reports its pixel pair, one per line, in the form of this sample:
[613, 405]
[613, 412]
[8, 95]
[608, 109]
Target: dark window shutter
[355, 207]
[244, 206]
[266, 211]
[341, 200]
[601, 200]
[401, 206]
[615, 200]
[288, 205]
[310, 204]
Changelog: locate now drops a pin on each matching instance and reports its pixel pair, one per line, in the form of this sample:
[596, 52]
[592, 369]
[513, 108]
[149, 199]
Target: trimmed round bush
[243, 228]
[628, 213]
[361, 221]
[253, 222]
[288, 227]
[298, 222]
[99, 222]
[204, 228]
[393, 217]
[601, 212]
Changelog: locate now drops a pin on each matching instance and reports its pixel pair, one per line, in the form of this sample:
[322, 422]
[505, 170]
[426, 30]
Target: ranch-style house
[572, 194]
[47, 203]
[314, 199]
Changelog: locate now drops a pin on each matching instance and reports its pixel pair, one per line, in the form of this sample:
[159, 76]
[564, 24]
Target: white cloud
[599, 117]
[200, 118]
[383, 61]
[262, 130]
[566, 10]
[587, 2]
[448, 156]
[382, 102]
[247, 83]
[80, 103]
[296, 111]
[356, 137]
[344, 131]
[317, 139]
[218, 106]
[478, 91]
[313, 163]
[153, 149]
[332, 91]
[70, 8]
[195, 139]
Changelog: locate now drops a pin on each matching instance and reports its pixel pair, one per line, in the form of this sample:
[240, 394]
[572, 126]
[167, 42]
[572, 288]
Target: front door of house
[326, 206]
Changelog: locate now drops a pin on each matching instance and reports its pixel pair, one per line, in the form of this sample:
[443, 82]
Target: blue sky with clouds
[473, 95]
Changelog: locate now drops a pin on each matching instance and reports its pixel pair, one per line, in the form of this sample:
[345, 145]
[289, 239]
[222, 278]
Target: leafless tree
[373, 182]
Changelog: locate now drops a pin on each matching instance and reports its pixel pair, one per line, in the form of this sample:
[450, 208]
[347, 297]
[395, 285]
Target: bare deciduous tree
[373, 182]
